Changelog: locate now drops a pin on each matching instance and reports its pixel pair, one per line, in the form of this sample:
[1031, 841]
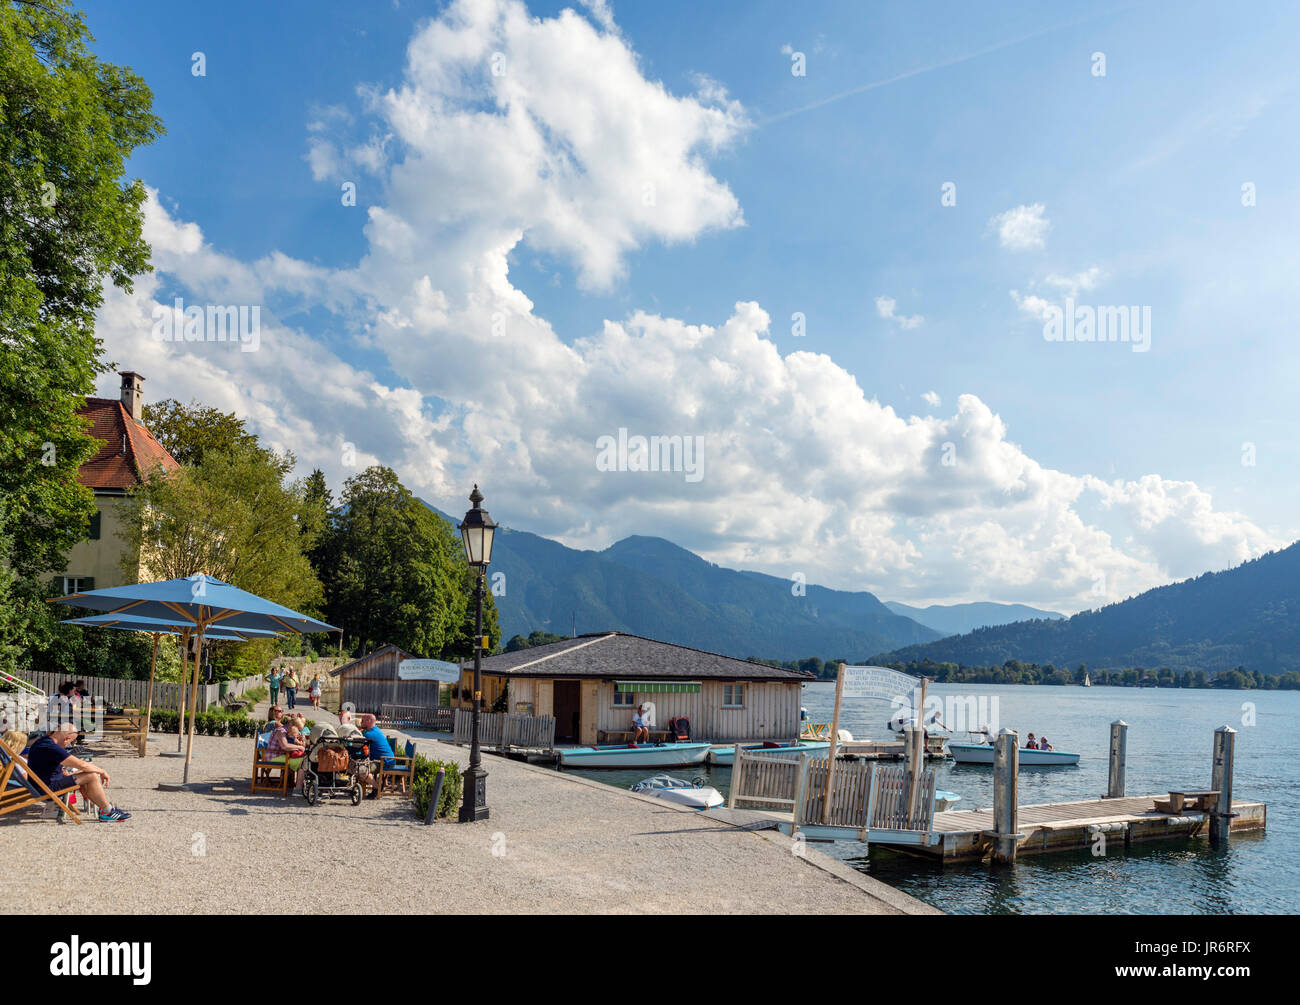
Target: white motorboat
[982, 753]
[694, 794]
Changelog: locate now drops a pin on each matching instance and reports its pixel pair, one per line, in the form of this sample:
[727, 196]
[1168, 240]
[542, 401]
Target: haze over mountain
[652, 587]
[956, 619]
[1247, 616]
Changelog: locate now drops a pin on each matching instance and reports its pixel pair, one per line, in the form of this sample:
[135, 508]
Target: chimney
[133, 394]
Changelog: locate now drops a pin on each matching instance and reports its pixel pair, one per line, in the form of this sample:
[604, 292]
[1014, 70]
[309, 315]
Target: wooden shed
[371, 681]
[592, 684]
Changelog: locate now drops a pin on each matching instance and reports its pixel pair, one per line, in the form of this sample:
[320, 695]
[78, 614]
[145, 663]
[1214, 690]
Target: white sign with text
[428, 670]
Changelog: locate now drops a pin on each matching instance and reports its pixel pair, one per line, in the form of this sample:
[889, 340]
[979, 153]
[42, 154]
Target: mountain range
[956, 619]
[652, 587]
[1246, 616]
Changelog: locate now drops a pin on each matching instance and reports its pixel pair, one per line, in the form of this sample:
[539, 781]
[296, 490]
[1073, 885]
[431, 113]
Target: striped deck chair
[19, 791]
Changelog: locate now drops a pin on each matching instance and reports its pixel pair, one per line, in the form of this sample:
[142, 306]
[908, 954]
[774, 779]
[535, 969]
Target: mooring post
[1118, 754]
[1006, 778]
[435, 796]
[1225, 738]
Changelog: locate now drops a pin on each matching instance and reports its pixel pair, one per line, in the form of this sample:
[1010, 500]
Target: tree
[190, 431]
[395, 573]
[68, 224]
[235, 517]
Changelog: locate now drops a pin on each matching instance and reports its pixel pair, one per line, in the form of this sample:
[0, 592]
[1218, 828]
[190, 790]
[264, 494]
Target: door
[568, 703]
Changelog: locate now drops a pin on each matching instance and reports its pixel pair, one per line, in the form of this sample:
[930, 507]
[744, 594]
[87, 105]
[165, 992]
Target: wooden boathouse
[592, 685]
[370, 682]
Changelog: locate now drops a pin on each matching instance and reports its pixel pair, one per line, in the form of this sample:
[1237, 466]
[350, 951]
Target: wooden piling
[1118, 756]
[1225, 738]
[1006, 778]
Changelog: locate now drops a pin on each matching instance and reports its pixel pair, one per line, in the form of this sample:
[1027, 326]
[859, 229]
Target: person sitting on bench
[640, 727]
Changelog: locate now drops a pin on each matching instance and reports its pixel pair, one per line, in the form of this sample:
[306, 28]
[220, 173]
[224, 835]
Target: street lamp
[476, 531]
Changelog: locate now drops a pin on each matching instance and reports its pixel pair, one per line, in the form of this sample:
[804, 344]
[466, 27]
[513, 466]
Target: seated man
[640, 727]
[381, 754]
[49, 757]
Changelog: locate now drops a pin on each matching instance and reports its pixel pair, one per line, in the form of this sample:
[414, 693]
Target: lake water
[1170, 740]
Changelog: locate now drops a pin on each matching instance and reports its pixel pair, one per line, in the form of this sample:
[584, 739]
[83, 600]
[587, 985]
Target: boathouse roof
[611, 655]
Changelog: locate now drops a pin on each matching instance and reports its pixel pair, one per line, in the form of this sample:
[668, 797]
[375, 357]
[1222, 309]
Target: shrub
[426, 770]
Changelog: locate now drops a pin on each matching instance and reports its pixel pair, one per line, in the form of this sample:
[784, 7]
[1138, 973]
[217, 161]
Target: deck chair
[396, 781]
[29, 790]
[268, 775]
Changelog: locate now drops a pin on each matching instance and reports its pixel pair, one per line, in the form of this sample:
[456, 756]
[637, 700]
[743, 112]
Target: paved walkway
[554, 843]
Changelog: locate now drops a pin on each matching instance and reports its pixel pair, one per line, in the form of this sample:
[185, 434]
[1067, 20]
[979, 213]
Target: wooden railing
[864, 795]
[417, 717]
[135, 693]
[503, 729]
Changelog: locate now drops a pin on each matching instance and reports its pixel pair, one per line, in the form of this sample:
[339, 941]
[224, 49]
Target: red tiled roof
[130, 452]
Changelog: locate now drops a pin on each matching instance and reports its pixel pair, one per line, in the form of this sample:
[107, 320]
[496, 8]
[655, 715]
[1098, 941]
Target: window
[94, 525]
[77, 584]
[733, 695]
[624, 699]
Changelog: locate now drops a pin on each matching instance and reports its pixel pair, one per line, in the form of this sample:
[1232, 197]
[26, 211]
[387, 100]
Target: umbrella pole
[148, 708]
[194, 694]
[185, 678]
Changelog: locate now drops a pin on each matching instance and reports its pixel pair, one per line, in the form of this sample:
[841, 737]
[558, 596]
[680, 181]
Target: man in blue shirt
[49, 756]
[380, 753]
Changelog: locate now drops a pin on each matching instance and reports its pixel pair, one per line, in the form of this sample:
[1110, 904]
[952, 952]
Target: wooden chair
[396, 781]
[30, 790]
[269, 775]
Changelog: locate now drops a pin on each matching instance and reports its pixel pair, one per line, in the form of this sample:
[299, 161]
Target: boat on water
[694, 793]
[1087, 681]
[635, 755]
[944, 800]
[781, 751]
[982, 753]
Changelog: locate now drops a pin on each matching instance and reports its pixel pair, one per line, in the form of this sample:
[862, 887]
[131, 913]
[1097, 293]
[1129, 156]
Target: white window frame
[630, 703]
[728, 694]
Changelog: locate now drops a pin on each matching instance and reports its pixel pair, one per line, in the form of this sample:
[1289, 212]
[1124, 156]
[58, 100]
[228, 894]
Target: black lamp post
[476, 531]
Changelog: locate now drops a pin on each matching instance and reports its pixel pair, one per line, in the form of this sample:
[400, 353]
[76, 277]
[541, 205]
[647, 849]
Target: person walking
[290, 684]
[273, 679]
[313, 692]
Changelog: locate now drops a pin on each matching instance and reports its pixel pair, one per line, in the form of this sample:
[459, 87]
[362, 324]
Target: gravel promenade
[554, 844]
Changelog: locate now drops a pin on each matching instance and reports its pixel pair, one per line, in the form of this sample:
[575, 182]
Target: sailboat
[1087, 681]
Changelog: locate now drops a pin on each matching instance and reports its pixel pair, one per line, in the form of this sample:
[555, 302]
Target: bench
[1187, 801]
[625, 735]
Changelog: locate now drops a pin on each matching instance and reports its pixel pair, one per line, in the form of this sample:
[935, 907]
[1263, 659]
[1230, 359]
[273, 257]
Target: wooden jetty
[878, 804]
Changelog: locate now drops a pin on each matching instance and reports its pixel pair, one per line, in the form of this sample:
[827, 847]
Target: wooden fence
[417, 717]
[864, 795]
[504, 729]
[135, 693]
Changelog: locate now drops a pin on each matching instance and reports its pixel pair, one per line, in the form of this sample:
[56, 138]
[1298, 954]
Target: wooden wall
[771, 709]
[372, 681]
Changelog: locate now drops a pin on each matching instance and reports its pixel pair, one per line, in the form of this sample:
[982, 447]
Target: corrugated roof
[630, 657]
[130, 452]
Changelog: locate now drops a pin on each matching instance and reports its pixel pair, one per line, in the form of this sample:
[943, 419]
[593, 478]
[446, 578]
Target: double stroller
[332, 765]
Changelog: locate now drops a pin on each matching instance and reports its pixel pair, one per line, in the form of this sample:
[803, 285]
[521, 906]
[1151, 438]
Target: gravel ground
[554, 843]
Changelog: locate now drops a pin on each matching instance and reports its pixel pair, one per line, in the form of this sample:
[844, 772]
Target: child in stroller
[331, 766]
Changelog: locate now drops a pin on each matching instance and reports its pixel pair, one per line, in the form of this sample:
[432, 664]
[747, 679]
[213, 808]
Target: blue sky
[1127, 187]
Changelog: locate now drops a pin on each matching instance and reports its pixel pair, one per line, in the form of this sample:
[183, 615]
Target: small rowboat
[781, 751]
[943, 800]
[982, 753]
[635, 755]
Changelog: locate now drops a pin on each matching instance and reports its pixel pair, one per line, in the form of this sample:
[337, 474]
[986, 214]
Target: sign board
[879, 683]
[448, 673]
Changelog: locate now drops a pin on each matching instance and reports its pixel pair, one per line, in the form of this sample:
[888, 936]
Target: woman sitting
[16, 742]
[1031, 743]
[284, 747]
[1043, 744]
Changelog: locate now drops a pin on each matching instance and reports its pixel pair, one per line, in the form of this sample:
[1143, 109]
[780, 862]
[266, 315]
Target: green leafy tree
[395, 573]
[69, 223]
[190, 431]
[235, 516]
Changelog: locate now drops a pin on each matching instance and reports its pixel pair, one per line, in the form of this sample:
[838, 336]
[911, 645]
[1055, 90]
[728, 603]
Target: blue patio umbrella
[157, 627]
[203, 602]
